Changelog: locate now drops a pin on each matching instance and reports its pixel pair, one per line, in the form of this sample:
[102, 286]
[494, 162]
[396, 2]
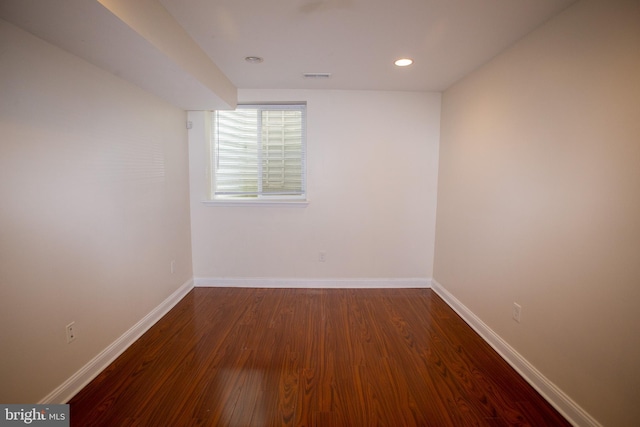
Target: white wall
[372, 171]
[94, 206]
[539, 202]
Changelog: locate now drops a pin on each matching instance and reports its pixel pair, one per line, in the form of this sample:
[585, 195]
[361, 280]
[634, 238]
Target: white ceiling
[355, 40]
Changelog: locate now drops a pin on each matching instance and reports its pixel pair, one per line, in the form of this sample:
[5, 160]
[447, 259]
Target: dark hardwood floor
[305, 357]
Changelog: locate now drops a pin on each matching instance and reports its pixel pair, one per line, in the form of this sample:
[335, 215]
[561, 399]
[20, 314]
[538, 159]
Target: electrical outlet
[322, 256]
[515, 312]
[173, 266]
[71, 332]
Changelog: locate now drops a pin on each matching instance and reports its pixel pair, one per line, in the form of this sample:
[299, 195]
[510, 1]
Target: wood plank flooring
[308, 357]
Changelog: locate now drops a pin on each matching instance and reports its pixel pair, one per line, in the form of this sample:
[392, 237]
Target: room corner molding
[335, 283]
[64, 392]
[554, 395]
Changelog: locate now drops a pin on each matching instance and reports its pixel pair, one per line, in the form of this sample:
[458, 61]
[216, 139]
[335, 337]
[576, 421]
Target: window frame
[261, 199]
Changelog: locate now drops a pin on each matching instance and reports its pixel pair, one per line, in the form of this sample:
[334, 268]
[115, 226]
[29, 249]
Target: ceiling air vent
[316, 75]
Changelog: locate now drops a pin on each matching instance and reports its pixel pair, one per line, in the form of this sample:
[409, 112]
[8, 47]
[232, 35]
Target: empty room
[251, 213]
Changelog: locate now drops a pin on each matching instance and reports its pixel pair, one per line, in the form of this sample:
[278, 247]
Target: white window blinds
[259, 152]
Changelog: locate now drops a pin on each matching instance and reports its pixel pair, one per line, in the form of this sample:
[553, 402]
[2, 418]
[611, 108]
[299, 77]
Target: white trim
[273, 202]
[271, 282]
[64, 392]
[556, 397]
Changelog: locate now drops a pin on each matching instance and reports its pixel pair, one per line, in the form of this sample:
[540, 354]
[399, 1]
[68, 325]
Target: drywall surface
[94, 207]
[372, 172]
[539, 202]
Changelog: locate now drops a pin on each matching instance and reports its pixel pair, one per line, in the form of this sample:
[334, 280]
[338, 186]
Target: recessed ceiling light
[403, 62]
[253, 59]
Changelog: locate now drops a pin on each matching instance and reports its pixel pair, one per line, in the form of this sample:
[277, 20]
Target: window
[259, 153]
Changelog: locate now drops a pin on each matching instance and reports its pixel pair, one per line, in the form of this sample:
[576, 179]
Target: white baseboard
[88, 372]
[556, 397]
[270, 282]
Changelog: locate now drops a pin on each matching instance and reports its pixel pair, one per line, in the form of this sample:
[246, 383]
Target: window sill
[267, 203]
